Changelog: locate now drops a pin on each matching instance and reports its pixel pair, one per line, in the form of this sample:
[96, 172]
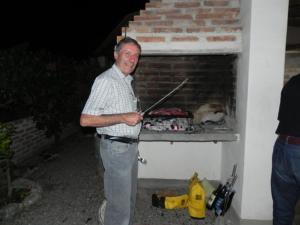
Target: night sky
[73, 28]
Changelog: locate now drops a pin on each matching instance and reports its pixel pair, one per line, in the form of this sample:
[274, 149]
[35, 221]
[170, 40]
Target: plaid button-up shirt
[112, 93]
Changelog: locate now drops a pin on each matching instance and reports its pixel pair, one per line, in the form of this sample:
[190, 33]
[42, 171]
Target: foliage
[50, 88]
[6, 132]
[54, 103]
[6, 153]
[17, 67]
[43, 85]
[19, 194]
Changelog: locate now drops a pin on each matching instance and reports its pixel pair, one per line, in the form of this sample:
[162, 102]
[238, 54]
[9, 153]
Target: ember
[168, 119]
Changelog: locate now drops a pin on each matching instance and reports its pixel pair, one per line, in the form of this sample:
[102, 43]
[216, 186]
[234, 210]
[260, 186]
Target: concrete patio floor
[72, 190]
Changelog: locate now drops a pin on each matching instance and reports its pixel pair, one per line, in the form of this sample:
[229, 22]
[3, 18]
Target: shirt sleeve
[98, 98]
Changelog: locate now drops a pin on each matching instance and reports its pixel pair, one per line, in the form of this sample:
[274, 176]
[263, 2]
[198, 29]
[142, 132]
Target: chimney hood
[187, 27]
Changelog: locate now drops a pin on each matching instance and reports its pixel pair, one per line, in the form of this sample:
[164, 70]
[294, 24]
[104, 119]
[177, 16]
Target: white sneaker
[101, 212]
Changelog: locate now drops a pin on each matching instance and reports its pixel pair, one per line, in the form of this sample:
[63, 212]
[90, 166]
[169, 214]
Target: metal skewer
[166, 96]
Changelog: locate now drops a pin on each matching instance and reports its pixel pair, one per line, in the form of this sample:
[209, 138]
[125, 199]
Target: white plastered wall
[179, 160]
[260, 79]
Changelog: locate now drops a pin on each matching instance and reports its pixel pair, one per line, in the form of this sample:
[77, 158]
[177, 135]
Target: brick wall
[211, 79]
[187, 27]
[28, 140]
[292, 65]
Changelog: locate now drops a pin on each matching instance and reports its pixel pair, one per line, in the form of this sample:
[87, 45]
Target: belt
[118, 139]
[290, 139]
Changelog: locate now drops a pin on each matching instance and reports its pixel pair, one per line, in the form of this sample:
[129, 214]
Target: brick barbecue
[195, 39]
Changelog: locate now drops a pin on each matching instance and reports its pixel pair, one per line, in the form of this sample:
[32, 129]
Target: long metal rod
[166, 96]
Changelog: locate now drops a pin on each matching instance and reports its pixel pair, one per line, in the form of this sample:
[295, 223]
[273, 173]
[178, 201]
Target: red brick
[147, 17]
[138, 29]
[185, 38]
[158, 5]
[200, 29]
[221, 38]
[216, 3]
[180, 17]
[212, 16]
[167, 30]
[160, 12]
[186, 4]
[153, 5]
[160, 23]
[150, 39]
[224, 22]
[199, 22]
[198, 10]
[227, 10]
[231, 29]
[135, 23]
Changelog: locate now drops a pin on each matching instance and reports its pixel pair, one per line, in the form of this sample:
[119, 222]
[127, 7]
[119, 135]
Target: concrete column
[260, 79]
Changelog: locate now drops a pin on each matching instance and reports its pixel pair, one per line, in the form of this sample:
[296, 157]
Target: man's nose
[132, 58]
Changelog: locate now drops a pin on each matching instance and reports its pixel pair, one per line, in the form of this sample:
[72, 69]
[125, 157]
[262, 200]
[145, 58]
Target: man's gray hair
[126, 40]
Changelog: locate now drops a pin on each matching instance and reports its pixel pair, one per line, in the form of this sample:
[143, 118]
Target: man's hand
[132, 118]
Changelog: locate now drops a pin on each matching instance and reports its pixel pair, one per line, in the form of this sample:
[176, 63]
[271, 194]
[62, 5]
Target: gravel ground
[71, 180]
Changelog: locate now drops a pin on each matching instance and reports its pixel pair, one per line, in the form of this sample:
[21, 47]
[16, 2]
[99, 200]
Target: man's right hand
[132, 118]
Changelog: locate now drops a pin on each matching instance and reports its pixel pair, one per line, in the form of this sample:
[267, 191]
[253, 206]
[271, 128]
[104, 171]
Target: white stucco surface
[179, 160]
[260, 79]
[259, 82]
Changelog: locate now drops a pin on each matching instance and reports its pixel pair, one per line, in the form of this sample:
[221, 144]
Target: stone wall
[28, 142]
[292, 65]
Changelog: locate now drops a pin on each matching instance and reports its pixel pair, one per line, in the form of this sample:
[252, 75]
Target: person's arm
[131, 119]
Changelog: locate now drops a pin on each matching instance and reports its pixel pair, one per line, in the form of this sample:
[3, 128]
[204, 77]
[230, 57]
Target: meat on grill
[169, 112]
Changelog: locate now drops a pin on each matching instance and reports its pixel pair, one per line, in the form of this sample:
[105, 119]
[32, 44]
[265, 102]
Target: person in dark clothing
[285, 178]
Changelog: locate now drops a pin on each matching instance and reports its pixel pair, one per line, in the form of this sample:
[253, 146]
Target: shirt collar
[121, 75]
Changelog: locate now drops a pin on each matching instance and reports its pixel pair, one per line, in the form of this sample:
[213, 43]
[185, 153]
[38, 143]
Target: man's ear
[116, 55]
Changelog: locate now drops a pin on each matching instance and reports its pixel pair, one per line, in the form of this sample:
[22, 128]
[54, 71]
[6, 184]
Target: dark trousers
[285, 181]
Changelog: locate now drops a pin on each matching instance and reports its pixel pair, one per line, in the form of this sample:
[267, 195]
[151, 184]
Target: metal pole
[165, 97]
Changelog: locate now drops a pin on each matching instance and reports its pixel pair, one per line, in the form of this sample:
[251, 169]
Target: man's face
[127, 58]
